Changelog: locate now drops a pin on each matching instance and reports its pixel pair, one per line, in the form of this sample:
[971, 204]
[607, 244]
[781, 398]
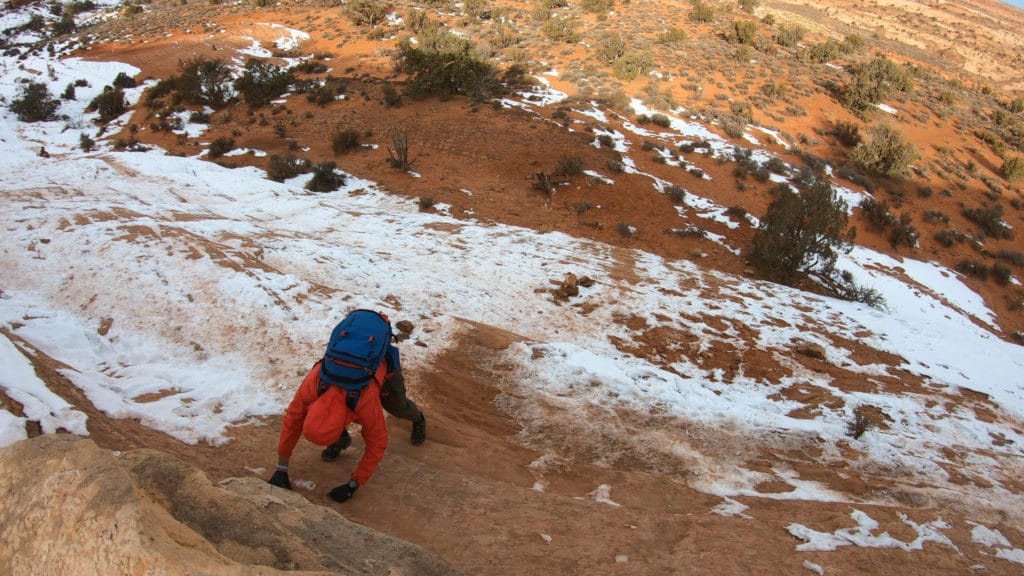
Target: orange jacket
[323, 425]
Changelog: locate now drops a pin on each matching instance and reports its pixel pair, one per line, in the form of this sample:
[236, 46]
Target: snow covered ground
[192, 297]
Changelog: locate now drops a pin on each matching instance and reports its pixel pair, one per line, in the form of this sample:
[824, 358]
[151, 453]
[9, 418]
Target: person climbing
[395, 402]
[356, 380]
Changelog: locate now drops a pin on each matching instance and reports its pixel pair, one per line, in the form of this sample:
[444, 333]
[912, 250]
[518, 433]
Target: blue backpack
[358, 344]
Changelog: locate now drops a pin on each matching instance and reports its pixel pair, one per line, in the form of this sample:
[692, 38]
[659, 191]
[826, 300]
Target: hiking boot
[332, 452]
[419, 431]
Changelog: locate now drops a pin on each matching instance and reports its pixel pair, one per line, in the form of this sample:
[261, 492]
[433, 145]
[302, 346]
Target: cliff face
[70, 507]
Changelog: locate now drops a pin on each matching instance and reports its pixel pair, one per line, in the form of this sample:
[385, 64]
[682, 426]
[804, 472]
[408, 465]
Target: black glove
[344, 492]
[280, 479]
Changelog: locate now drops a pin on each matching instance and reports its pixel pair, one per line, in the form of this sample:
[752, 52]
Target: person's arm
[291, 428]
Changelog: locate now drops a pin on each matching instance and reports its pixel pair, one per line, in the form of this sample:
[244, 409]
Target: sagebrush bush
[885, 153]
[742, 31]
[877, 213]
[366, 12]
[874, 82]
[790, 35]
[34, 103]
[701, 12]
[903, 232]
[990, 220]
[561, 29]
[848, 133]
[1013, 168]
[281, 168]
[201, 82]
[345, 141]
[800, 233]
[261, 82]
[221, 146]
[325, 178]
[109, 104]
[446, 68]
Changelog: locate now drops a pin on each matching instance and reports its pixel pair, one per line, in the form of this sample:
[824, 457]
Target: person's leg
[332, 452]
[396, 403]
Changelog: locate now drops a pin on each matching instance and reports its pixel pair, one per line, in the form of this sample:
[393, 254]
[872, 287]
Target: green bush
[1013, 168]
[990, 220]
[366, 12]
[875, 81]
[848, 133]
[281, 168]
[561, 29]
[742, 31]
[446, 68]
[701, 12]
[825, 51]
[801, 232]
[632, 65]
[570, 166]
[672, 36]
[221, 146]
[596, 6]
[325, 178]
[35, 104]
[903, 232]
[261, 82]
[885, 153]
[610, 48]
[201, 82]
[749, 6]
[109, 104]
[345, 141]
[790, 36]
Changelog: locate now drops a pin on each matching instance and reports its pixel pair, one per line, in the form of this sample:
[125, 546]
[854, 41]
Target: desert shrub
[933, 216]
[848, 133]
[903, 232]
[949, 237]
[221, 146]
[85, 142]
[773, 90]
[606, 140]
[345, 141]
[446, 68]
[321, 95]
[877, 213]
[398, 152]
[570, 166]
[596, 6]
[824, 52]
[672, 36]
[625, 229]
[790, 36]
[1011, 256]
[800, 233]
[742, 31]
[676, 193]
[885, 153]
[875, 81]
[206, 82]
[852, 43]
[123, 80]
[425, 203]
[990, 220]
[701, 12]
[109, 104]
[261, 82]
[1013, 168]
[34, 103]
[561, 29]
[860, 423]
[973, 268]
[365, 12]
[325, 178]
[281, 168]
[1001, 273]
[610, 48]
[633, 64]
